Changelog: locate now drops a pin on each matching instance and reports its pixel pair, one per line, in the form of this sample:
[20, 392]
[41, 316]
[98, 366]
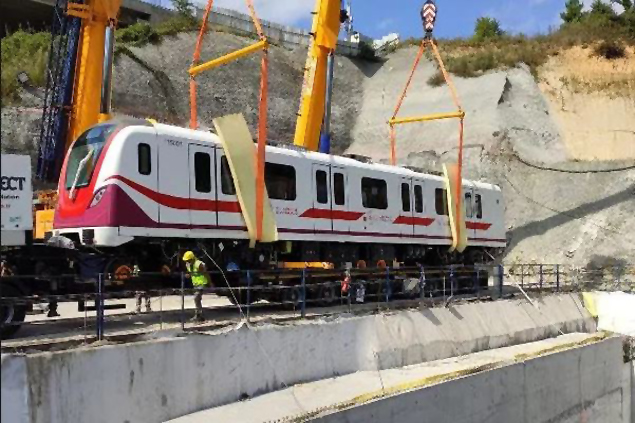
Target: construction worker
[197, 271]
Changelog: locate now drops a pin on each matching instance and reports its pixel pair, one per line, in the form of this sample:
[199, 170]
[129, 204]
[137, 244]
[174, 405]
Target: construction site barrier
[309, 292]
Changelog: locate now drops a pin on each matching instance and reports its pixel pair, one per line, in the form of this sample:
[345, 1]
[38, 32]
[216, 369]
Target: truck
[28, 267]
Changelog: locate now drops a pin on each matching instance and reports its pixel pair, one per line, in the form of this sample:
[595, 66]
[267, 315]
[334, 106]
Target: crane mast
[327, 18]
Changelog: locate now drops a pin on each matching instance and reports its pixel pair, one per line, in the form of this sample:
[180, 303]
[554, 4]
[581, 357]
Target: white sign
[17, 193]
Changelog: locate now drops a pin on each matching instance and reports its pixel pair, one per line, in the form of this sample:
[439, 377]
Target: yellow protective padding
[43, 222]
[457, 221]
[589, 303]
[241, 156]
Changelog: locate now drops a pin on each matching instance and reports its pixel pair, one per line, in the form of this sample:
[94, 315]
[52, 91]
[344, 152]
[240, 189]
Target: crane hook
[429, 16]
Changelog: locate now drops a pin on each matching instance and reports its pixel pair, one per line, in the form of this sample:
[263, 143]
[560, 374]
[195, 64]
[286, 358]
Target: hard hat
[189, 256]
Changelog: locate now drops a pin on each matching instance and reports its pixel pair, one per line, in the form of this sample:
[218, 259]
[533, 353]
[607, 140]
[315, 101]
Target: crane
[78, 88]
[313, 124]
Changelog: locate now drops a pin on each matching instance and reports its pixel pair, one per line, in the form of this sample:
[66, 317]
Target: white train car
[152, 189]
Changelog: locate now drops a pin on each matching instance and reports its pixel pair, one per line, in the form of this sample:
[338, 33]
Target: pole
[182, 301]
[540, 270]
[248, 293]
[422, 283]
[100, 309]
[325, 138]
[501, 277]
[388, 290]
[557, 278]
[106, 90]
[303, 295]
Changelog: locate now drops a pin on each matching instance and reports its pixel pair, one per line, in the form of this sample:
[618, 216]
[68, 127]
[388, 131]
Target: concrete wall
[158, 380]
[584, 384]
[287, 36]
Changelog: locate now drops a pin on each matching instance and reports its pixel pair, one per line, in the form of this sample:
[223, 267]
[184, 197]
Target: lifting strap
[454, 186]
[195, 69]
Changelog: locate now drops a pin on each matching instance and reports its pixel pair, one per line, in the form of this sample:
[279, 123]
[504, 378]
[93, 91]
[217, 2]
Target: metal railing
[256, 295]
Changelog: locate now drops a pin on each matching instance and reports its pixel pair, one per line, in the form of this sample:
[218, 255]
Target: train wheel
[327, 294]
[119, 271]
[291, 298]
[11, 315]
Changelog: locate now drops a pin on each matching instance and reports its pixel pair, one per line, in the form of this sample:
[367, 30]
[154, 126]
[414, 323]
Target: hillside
[515, 122]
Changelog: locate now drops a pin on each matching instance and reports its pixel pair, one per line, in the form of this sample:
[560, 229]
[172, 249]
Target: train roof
[290, 150]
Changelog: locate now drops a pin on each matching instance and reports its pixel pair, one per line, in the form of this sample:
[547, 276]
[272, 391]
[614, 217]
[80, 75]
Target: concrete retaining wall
[287, 36]
[584, 384]
[158, 380]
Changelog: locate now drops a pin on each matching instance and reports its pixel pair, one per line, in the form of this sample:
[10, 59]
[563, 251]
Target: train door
[341, 216]
[322, 212]
[174, 183]
[441, 225]
[423, 217]
[470, 209]
[405, 220]
[202, 187]
[380, 201]
[229, 214]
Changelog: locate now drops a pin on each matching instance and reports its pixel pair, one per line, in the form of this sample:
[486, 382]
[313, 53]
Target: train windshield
[84, 155]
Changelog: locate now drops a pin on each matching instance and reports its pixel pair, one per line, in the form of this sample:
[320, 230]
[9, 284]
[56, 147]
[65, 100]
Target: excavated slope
[571, 214]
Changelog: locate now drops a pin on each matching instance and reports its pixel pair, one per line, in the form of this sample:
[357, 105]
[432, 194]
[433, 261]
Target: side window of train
[478, 205]
[321, 187]
[339, 189]
[374, 193]
[468, 204]
[280, 181]
[405, 197]
[441, 202]
[226, 181]
[202, 172]
[418, 199]
[145, 159]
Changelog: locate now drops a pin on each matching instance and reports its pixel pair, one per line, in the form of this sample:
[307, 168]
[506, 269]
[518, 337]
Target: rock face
[569, 214]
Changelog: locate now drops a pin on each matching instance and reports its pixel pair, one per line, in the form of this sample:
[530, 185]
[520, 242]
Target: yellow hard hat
[189, 256]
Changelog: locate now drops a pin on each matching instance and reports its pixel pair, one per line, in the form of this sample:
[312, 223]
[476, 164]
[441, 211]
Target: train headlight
[97, 197]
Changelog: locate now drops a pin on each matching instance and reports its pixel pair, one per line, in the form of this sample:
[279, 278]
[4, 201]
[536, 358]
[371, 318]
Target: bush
[436, 80]
[610, 50]
[177, 25]
[487, 29]
[138, 35]
[23, 51]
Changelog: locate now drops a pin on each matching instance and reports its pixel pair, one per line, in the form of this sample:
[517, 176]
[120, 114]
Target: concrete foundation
[163, 379]
[579, 385]
[572, 378]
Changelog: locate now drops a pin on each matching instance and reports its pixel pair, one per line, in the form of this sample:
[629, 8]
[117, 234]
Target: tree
[626, 4]
[184, 8]
[599, 8]
[572, 11]
[487, 29]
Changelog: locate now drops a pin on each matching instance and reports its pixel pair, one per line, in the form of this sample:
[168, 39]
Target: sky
[456, 18]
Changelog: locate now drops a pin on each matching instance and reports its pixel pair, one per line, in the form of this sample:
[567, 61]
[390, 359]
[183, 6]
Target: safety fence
[168, 302]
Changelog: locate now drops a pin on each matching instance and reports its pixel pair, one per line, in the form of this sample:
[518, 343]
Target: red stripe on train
[332, 214]
[180, 202]
[414, 221]
[479, 226]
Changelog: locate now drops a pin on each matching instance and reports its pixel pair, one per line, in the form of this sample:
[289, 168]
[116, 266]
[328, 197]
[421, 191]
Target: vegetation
[487, 29]
[23, 52]
[572, 11]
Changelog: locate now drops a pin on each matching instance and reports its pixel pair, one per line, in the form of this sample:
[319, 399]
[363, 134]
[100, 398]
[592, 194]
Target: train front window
[84, 155]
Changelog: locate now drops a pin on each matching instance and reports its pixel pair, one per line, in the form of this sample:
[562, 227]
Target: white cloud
[284, 12]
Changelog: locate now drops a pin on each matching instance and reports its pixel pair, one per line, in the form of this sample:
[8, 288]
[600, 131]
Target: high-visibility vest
[198, 279]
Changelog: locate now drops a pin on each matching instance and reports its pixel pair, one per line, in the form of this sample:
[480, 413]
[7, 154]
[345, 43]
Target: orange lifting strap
[195, 69]
[460, 114]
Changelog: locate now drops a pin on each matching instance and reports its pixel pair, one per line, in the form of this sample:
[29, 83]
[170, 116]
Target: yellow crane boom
[325, 30]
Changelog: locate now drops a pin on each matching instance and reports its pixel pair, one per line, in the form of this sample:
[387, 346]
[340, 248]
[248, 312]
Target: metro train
[143, 192]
